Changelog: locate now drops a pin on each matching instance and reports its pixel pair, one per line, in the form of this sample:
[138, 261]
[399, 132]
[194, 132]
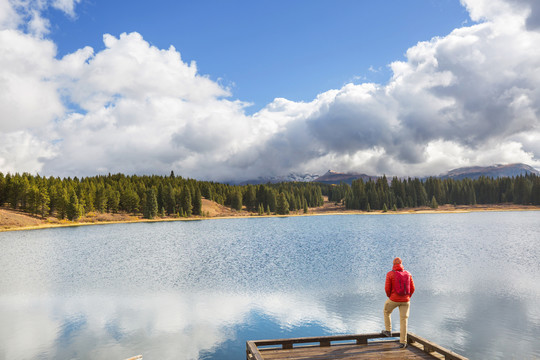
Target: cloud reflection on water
[200, 290]
[159, 326]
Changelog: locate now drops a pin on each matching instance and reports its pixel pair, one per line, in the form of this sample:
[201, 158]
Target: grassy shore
[11, 220]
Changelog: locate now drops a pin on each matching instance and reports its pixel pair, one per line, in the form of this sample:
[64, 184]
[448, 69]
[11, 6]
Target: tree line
[382, 194]
[152, 196]
[149, 196]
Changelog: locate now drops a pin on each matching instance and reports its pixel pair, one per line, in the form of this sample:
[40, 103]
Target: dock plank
[379, 351]
[347, 347]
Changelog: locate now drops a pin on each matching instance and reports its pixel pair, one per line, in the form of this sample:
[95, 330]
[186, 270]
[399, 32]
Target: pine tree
[250, 198]
[100, 199]
[130, 201]
[169, 201]
[44, 201]
[151, 205]
[236, 200]
[73, 211]
[113, 200]
[63, 202]
[33, 199]
[282, 206]
[196, 201]
[186, 202]
[434, 204]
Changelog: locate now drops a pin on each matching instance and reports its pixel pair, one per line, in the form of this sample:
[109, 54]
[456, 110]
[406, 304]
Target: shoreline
[327, 209]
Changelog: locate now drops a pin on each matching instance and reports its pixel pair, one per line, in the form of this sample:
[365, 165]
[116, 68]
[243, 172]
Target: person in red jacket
[397, 300]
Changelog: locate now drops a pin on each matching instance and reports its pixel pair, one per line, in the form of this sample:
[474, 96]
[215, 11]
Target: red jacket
[389, 288]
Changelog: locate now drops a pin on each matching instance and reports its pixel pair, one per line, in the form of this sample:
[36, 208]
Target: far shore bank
[11, 220]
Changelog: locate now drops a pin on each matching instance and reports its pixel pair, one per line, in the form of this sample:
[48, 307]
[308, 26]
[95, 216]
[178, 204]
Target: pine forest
[159, 196]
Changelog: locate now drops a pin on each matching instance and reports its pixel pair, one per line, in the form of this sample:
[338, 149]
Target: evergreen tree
[236, 200]
[33, 199]
[130, 201]
[434, 204]
[271, 199]
[250, 198]
[100, 199]
[151, 205]
[282, 206]
[63, 204]
[169, 199]
[2, 189]
[535, 191]
[113, 199]
[73, 211]
[196, 201]
[44, 201]
[186, 202]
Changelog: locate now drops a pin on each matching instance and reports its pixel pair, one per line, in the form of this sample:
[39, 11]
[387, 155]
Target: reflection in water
[160, 326]
[199, 290]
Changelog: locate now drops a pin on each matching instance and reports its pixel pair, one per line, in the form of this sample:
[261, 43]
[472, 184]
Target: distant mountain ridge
[334, 177]
[277, 179]
[495, 171]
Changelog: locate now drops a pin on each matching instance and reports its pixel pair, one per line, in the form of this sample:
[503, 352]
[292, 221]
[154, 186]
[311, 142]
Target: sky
[235, 90]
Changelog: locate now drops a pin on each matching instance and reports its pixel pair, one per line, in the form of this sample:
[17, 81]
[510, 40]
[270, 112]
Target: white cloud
[67, 6]
[21, 151]
[29, 98]
[475, 90]
[9, 18]
[468, 98]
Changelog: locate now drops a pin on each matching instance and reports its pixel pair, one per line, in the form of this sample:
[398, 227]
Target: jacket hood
[398, 267]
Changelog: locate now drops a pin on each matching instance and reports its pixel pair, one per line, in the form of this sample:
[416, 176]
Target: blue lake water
[200, 289]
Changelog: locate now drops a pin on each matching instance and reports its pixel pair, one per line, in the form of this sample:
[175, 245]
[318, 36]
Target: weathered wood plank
[252, 353]
[381, 351]
[359, 338]
[432, 347]
[347, 347]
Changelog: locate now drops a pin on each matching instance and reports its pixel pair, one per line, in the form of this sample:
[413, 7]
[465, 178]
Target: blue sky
[235, 90]
[267, 49]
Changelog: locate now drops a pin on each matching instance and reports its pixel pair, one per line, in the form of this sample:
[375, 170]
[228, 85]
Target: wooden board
[348, 347]
[381, 351]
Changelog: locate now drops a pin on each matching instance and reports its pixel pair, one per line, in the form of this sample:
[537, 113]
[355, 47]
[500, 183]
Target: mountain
[277, 179]
[495, 171]
[333, 177]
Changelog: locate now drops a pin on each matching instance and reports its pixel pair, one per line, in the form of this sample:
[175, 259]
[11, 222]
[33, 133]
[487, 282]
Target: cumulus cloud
[145, 110]
[67, 6]
[468, 98]
[474, 91]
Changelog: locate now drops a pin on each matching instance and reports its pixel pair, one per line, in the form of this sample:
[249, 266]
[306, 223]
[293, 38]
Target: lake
[200, 289]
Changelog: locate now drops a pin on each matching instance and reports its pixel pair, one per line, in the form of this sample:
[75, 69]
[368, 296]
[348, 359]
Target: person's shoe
[386, 333]
[403, 346]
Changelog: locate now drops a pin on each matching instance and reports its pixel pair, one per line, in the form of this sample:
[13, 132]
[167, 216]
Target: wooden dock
[348, 347]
